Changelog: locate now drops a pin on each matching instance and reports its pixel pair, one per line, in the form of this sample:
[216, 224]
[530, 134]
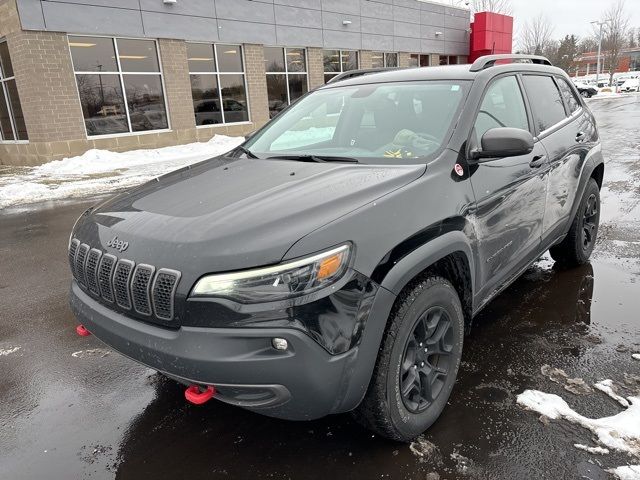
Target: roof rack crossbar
[490, 60]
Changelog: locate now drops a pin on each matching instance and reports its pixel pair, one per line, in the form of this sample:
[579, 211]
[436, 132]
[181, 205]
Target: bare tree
[496, 6]
[536, 37]
[588, 44]
[614, 36]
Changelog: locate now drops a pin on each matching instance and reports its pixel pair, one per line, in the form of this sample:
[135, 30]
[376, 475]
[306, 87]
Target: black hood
[229, 214]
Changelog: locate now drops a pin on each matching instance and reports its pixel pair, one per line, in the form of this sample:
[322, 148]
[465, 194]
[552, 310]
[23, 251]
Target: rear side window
[545, 100]
[568, 94]
[502, 106]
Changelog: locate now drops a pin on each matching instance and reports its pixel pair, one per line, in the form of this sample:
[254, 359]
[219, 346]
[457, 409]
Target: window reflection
[286, 70]
[12, 126]
[145, 102]
[337, 61]
[217, 83]
[102, 104]
[137, 78]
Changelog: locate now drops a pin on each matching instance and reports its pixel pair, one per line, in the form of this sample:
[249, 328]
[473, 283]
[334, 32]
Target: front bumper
[303, 382]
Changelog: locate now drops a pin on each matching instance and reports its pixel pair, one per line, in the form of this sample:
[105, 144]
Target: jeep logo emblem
[119, 245]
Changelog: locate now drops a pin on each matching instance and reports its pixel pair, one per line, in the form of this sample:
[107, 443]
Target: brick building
[586, 63]
[120, 75]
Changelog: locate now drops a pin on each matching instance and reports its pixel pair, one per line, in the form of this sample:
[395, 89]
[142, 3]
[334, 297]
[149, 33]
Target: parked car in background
[587, 91]
[333, 261]
[631, 85]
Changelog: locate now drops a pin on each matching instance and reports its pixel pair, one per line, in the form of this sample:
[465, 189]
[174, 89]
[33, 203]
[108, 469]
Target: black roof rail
[490, 60]
[360, 72]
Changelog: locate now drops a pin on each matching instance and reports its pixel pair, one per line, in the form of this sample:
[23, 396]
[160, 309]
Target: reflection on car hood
[230, 214]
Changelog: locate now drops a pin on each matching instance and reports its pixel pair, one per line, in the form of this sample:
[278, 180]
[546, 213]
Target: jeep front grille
[140, 288]
[164, 289]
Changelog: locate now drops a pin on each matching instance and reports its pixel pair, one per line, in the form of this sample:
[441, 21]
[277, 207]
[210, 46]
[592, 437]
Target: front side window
[218, 85]
[338, 61]
[12, 126]
[419, 60]
[384, 60]
[120, 84]
[545, 100]
[569, 95]
[286, 70]
[502, 106]
[401, 122]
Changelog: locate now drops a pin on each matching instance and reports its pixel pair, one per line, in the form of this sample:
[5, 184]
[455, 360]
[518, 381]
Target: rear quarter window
[545, 100]
[568, 94]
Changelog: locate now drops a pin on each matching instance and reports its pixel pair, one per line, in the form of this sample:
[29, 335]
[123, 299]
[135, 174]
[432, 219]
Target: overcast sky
[570, 16]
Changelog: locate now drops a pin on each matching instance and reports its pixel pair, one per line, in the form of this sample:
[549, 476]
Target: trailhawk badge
[119, 245]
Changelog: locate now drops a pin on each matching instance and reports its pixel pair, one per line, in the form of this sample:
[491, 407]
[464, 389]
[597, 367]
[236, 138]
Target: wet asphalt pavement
[70, 408]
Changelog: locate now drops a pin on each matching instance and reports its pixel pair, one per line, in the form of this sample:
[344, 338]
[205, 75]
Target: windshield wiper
[315, 158]
[246, 151]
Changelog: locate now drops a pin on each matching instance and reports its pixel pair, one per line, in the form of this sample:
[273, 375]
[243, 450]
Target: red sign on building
[490, 33]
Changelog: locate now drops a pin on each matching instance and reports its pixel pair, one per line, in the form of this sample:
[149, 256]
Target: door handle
[580, 137]
[538, 161]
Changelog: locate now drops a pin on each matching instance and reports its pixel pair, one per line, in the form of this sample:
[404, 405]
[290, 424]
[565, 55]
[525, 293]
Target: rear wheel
[577, 246]
[418, 361]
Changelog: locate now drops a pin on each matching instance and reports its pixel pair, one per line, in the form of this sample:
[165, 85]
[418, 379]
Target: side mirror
[503, 142]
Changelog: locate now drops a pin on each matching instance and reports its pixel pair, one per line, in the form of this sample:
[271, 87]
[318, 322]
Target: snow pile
[99, 171]
[636, 356]
[630, 472]
[618, 432]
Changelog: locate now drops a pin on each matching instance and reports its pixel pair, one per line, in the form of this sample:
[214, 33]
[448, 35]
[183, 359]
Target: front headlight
[292, 279]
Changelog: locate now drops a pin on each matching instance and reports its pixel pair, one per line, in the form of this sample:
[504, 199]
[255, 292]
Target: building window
[120, 84]
[448, 60]
[419, 60]
[12, 127]
[384, 60]
[218, 85]
[286, 70]
[338, 61]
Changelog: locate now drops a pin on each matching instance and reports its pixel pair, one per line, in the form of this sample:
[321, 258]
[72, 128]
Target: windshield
[402, 122]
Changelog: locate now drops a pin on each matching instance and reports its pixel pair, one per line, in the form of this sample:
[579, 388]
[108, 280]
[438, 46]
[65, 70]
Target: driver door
[510, 192]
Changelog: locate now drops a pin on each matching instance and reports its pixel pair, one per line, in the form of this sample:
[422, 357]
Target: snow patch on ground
[618, 432]
[8, 351]
[636, 356]
[92, 352]
[629, 472]
[598, 450]
[606, 386]
[99, 171]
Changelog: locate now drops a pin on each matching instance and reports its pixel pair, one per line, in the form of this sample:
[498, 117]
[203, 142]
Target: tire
[585, 94]
[577, 246]
[428, 309]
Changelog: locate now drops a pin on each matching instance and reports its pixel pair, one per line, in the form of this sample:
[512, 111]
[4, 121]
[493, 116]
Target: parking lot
[71, 408]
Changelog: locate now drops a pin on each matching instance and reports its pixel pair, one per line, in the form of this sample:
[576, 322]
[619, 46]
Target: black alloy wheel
[590, 222]
[427, 359]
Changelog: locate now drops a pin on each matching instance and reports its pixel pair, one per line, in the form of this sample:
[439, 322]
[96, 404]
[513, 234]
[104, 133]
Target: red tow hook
[196, 396]
[82, 331]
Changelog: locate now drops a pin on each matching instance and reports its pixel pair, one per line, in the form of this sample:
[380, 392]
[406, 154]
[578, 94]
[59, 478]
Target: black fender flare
[426, 255]
[587, 173]
[357, 374]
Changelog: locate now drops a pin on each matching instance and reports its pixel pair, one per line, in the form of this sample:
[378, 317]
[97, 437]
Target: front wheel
[577, 246]
[418, 361]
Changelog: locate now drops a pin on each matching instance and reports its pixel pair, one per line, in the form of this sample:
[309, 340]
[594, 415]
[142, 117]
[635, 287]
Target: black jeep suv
[332, 262]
